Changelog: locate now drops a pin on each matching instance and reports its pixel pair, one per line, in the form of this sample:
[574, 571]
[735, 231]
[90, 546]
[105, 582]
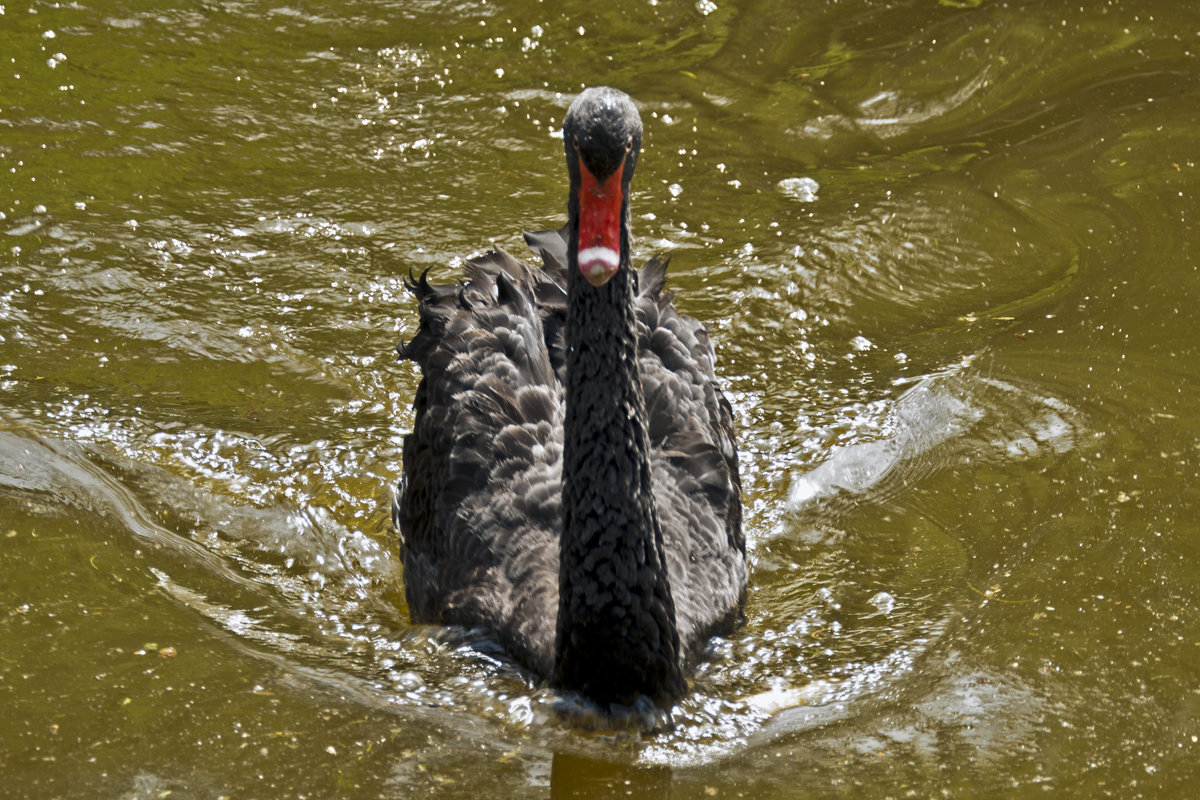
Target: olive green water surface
[949, 257]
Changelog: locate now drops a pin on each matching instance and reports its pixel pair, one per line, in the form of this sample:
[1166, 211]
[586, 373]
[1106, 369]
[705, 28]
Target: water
[947, 255]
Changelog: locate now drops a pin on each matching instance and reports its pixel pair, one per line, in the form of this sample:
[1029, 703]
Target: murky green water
[964, 364]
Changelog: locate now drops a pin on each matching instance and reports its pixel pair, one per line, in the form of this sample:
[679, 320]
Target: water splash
[943, 419]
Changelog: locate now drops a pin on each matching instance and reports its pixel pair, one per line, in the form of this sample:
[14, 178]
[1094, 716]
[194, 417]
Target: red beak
[599, 225]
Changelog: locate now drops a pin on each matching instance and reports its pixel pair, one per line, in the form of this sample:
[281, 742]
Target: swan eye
[628, 144]
[575, 142]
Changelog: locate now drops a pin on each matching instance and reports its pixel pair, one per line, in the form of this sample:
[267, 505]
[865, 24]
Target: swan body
[571, 484]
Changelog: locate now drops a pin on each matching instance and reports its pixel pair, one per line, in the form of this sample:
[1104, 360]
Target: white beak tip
[598, 264]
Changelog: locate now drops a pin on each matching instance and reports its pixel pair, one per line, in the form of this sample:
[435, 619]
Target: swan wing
[696, 484]
[480, 506]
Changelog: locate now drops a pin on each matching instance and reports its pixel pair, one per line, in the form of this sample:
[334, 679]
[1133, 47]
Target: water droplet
[802, 189]
[884, 602]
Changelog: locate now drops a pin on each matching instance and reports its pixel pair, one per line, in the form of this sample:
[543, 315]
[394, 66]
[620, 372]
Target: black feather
[606, 575]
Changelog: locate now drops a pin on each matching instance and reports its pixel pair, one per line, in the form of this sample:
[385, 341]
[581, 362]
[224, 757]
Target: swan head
[602, 136]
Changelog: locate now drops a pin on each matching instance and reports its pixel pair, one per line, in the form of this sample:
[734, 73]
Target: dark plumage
[571, 482]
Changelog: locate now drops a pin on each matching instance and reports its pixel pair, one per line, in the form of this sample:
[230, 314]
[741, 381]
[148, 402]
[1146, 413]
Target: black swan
[571, 483]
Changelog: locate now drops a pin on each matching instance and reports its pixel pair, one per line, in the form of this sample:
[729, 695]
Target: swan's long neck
[616, 636]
